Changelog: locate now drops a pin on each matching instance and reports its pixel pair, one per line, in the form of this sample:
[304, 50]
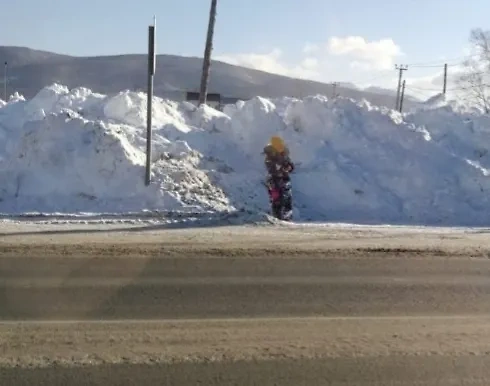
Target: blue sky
[353, 40]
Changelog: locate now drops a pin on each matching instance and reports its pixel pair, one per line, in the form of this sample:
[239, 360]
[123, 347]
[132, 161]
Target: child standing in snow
[279, 166]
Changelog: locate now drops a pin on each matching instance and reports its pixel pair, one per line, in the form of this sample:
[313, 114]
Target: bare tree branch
[475, 80]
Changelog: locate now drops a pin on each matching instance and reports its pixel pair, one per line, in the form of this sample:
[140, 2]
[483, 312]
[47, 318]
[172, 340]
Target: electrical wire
[460, 60]
[449, 89]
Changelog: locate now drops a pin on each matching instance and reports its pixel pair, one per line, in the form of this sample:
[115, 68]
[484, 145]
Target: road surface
[112, 305]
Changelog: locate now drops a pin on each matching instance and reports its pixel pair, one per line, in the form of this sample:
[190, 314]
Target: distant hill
[385, 91]
[30, 70]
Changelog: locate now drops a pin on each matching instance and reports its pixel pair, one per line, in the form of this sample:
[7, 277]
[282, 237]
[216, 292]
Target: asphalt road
[243, 306]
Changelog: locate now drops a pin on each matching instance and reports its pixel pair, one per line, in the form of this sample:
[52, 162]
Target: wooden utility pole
[401, 69]
[445, 79]
[207, 54]
[5, 77]
[334, 93]
[402, 96]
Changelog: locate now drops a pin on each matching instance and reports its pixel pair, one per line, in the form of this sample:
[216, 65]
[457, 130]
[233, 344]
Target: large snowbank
[73, 151]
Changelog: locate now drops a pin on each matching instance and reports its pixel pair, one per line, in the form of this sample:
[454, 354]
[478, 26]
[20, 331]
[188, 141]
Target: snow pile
[465, 135]
[445, 102]
[60, 153]
[435, 101]
[77, 151]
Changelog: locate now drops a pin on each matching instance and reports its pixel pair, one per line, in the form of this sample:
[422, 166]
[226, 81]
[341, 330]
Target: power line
[437, 63]
[377, 77]
[452, 89]
[429, 64]
[418, 93]
[424, 89]
[421, 91]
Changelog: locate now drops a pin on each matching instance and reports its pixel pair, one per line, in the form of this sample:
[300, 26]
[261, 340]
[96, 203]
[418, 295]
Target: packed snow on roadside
[76, 152]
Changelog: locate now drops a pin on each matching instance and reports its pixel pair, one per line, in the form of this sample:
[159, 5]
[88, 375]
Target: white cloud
[310, 62]
[347, 59]
[269, 62]
[338, 59]
[374, 55]
[311, 48]
[272, 62]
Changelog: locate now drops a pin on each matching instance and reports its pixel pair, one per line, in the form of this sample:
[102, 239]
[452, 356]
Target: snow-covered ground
[80, 153]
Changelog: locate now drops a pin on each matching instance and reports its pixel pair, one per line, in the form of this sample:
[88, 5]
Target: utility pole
[401, 68]
[402, 96]
[149, 98]
[334, 94]
[445, 79]
[5, 82]
[207, 54]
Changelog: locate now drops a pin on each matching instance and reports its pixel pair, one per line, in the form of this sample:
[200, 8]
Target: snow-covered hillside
[77, 151]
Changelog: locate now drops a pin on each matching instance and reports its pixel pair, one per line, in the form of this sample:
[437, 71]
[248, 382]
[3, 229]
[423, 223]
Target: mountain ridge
[29, 70]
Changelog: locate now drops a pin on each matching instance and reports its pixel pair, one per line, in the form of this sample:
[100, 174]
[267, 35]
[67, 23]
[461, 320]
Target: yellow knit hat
[277, 143]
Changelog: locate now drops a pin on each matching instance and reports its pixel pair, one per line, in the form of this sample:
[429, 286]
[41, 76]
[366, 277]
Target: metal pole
[151, 73]
[5, 82]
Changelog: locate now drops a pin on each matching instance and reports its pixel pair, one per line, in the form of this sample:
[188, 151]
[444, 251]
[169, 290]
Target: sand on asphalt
[94, 304]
